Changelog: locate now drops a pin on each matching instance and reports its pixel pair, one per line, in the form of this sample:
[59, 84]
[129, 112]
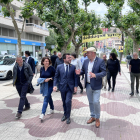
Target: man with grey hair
[59, 60]
[94, 70]
[134, 69]
[22, 77]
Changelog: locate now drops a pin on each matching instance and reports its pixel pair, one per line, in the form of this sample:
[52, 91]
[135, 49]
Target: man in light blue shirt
[82, 61]
[84, 58]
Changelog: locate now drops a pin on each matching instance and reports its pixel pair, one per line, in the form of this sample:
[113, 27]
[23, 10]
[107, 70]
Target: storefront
[10, 46]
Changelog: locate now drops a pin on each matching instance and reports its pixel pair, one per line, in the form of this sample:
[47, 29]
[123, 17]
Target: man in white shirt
[68, 85]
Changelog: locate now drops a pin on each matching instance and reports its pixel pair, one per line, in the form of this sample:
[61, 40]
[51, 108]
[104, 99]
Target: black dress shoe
[81, 91]
[63, 118]
[18, 115]
[112, 90]
[131, 94]
[137, 91]
[26, 108]
[68, 121]
[109, 88]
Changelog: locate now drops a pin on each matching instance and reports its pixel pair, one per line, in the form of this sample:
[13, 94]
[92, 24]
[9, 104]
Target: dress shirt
[20, 67]
[77, 63]
[66, 67]
[90, 66]
[27, 59]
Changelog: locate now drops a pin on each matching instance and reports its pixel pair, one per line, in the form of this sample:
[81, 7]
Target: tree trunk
[19, 45]
[77, 50]
[64, 49]
[11, 11]
[135, 47]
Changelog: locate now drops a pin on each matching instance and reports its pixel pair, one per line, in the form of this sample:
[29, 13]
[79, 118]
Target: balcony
[36, 29]
[7, 22]
[17, 4]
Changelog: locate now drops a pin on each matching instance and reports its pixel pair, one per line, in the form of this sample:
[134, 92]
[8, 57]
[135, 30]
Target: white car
[6, 68]
[6, 56]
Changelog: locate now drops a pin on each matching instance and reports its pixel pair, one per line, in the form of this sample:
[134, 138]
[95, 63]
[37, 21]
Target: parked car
[6, 56]
[6, 68]
[35, 60]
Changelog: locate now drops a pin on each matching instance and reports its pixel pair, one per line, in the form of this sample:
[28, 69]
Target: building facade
[32, 38]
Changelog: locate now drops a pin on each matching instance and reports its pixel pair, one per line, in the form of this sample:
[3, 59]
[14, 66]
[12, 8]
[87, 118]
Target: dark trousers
[113, 75]
[48, 99]
[67, 99]
[22, 91]
[132, 77]
[79, 83]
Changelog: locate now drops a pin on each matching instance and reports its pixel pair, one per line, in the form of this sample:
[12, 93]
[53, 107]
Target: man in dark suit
[94, 69]
[53, 58]
[30, 61]
[68, 85]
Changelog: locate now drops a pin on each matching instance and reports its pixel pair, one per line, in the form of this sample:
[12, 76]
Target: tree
[61, 15]
[8, 10]
[128, 23]
[114, 51]
[51, 39]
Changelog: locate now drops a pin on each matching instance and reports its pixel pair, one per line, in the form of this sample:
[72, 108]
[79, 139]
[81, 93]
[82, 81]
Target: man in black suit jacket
[53, 58]
[30, 61]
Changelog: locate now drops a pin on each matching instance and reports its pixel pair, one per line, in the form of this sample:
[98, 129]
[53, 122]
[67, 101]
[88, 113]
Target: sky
[101, 9]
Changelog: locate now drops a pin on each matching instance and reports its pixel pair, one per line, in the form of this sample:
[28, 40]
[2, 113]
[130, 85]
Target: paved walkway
[120, 116]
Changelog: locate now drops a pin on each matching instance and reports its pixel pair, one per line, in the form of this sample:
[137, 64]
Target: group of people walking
[63, 73]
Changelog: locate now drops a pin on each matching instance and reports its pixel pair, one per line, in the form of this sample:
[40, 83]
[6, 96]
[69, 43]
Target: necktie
[66, 70]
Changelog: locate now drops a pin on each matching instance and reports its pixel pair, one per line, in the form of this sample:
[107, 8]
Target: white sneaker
[41, 116]
[50, 112]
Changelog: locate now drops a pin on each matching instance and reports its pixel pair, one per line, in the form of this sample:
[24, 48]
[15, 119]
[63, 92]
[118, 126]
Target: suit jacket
[53, 59]
[71, 80]
[98, 69]
[31, 62]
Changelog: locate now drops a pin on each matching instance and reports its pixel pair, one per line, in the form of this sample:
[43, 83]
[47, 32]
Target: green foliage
[114, 51]
[51, 39]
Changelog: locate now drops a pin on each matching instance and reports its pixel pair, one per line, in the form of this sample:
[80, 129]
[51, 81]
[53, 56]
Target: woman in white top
[77, 63]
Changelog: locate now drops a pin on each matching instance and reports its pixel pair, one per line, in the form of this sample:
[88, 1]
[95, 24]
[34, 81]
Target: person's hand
[120, 73]
[78, 71]
[55, 88]
[33, 74]
[92, 75]
[47, 80]
[75, 89]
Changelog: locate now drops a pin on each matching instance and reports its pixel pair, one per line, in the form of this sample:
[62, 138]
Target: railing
[18, 19]
[37, 26]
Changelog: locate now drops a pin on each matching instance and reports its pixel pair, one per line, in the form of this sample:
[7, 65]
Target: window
[20, 17]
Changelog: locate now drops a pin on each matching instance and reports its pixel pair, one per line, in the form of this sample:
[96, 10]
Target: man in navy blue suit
[94, 69]
[30, 61]
[67, 86]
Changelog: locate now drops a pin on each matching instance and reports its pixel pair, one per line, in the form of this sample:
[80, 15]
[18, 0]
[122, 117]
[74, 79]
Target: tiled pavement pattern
[120, 117]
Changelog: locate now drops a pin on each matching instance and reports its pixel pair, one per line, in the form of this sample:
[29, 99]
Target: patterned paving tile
[120, 117]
